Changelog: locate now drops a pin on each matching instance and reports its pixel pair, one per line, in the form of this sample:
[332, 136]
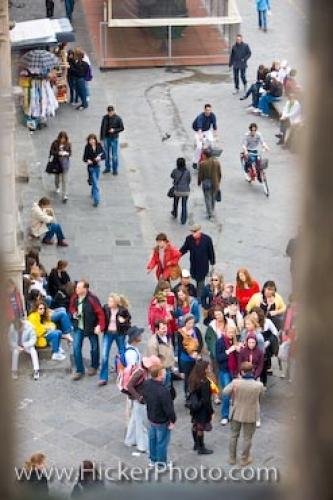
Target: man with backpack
[137, 434]
[205, 127]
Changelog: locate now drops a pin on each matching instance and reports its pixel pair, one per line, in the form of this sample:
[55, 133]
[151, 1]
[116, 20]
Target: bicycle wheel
[265, 183]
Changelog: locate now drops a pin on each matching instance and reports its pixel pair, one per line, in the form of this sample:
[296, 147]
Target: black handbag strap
[180, 178]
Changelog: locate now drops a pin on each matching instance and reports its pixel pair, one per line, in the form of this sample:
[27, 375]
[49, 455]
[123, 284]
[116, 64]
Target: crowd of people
[217, 337]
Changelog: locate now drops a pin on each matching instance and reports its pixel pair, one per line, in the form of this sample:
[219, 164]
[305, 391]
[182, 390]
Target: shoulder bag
[53, 165]
[171, 192]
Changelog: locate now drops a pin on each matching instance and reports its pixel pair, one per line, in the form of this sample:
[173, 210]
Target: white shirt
[132, 355]
[293, 112]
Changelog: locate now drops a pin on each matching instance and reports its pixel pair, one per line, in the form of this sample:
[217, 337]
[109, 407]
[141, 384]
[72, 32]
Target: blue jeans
[183, 216]
[72, 90]
[94, 350]
[54, 229]
[61, 318]
[265, 101]
[262, 19]
[69, 5]
[81, 90]
[94, 173]
[225, 378]
[108, 340]
[111, 153]
[159, 438]
[252, 157]
[53, 338]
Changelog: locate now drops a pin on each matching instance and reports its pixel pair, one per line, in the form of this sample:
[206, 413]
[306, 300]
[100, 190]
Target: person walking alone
[181, 182]
[240, 53]
[209, 177]
[89, 321]
[202, 254]
[111, 126]
[61, 149]
[263, 8]
[69, 6]
[92, 156]
[246, 393]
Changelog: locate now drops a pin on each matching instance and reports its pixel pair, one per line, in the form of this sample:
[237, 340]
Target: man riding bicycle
[252, 141]
[205, 126]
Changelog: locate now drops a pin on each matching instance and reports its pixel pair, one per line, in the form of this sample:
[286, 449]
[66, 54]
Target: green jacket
[211, 339]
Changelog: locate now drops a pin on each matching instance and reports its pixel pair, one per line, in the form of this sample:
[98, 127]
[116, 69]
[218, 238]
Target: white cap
[186, 273]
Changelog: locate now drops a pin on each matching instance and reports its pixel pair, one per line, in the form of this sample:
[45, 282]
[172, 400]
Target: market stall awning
[29, 34]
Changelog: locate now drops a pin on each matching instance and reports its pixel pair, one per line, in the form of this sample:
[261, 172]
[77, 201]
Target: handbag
[53, 166]
[171, 192]
[218, 196]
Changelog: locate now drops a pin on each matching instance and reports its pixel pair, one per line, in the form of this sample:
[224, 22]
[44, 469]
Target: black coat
[240, 53]
[91, 154]
[201, 255]
[122, 311]
[114, 122]
[56, 282]
[36, 486]
[204, 414]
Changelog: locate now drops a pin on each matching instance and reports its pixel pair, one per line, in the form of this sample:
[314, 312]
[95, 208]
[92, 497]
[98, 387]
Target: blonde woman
[117, 322]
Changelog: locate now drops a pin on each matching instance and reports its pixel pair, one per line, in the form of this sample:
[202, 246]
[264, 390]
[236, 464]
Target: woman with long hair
[251, 325]
[46, 331]
[185, 305]
[117, 321]
[270, 302]
[92, 156]
[61, 149]
[181, 182]
[189, 348]
[200, 405]
[246, 286]
[164, 259]
[227, 350]
[212, 295]
[58, 278]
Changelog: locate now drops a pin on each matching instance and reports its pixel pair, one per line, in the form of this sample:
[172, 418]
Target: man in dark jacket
[89, 321]
[111, 127]
[209, 177]
[161, 415]
[240, 53]
[202, 254]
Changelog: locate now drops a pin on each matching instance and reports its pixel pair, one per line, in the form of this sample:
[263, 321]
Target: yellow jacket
[256, 299]
[40, 328]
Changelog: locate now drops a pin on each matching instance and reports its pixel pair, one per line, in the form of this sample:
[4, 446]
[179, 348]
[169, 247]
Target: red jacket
[243, 295]
[171, 258]
[255, 356]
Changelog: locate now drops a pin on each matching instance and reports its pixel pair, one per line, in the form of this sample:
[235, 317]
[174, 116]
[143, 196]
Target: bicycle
[256, 170]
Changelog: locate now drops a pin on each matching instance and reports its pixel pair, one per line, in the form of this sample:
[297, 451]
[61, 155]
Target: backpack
[124, 372]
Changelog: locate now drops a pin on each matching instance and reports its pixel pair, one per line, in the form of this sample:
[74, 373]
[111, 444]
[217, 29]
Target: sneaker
[62, 243]
[264, 115]
[256, 111]
[224, 421]
[101, 383]
[61, 350]
[151, 464]
[57, 190]
[204, 451]
[79, 108]
[245, 461]
[92, 371]
[250, 109]
[247, 177]
[77, 376]
[65, 199]
[36, 375]
[68, 337]
[235, 92]
[106, 171]
[114, 172]
[47, 242]
[57, 356]
[14, 375]
[258, 424]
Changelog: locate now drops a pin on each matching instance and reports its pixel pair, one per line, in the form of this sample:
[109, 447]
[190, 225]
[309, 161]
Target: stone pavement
[110, 245]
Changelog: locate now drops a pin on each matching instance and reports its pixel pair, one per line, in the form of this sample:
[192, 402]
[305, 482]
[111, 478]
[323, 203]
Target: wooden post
[313, 464]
